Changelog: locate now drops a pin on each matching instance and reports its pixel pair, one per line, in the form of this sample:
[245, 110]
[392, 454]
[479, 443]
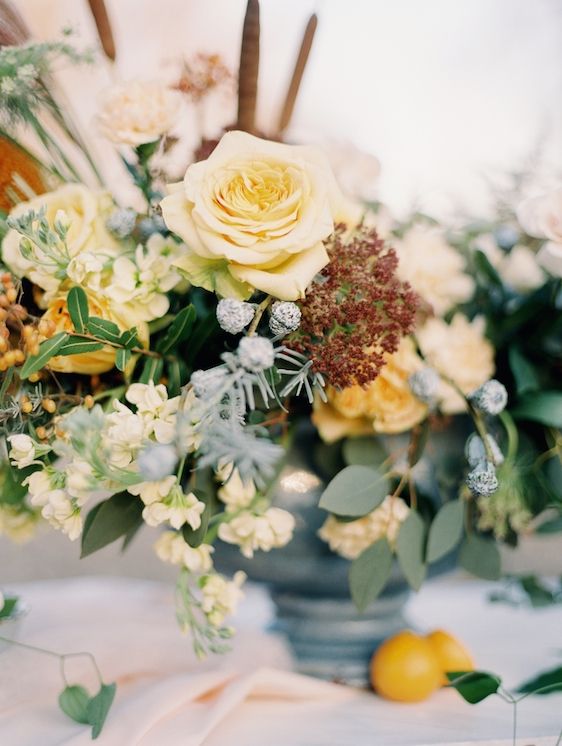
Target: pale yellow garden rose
[254, 216]
[90, 363]
[86, 212]
[138, 112]
[435, 270]
[460, 352]
[387, 405]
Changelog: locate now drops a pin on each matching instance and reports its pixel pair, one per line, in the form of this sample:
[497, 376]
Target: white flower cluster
[542, 217]
[350, 539]
[247, 523]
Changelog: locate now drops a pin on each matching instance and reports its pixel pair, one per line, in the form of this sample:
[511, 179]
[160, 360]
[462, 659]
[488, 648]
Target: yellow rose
[85, 211]
[254, 216]
[138, 112]
[90, 363]
[387, 405]
[461, 353]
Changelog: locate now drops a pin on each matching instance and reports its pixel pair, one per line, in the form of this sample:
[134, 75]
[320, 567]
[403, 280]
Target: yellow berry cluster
[20, 334]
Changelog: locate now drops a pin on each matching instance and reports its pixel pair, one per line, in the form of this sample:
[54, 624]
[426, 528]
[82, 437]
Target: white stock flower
[158, 412]
[63, 513]
[22, 451]
[235, 493]
[172, 547]
[137, 112]
[176, 508]
[125, 433]
[80, 481]
[221, 596]
[434, 269]
[142, 281]
[272, 529]
[39, 485]
[153, 492]
[86, 269]
[350, 538]
[460, 352]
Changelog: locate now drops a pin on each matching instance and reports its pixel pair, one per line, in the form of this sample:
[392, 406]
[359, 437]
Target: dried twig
[249, 67]
[298, 72]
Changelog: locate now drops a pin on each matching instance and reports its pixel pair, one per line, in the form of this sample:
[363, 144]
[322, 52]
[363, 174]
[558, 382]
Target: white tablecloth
[248, 698]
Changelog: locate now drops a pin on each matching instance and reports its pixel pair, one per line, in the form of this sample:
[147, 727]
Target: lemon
[405, 668]
[451, 654]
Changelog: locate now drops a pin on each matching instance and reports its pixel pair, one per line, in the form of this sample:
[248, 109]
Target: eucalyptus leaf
[355, 491]
[109, 520]
[474, 686]
[445, 531]
[550, 680]
[524, 373]
[410, 549]
[364, 451]
[99, 706]
[369, 573]
[47, 349]
[541, 406]
[73, 701]
[152, 370]
[480, 557]
[77, 304]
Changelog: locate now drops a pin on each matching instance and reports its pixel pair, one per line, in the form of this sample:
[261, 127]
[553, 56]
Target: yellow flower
[387, 405]
[84, 210]
[254, 216]
[90, 363]
[461, 353]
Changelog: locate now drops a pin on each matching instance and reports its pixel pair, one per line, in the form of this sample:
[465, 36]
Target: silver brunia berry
[256, 353]
[285, 317]
[234, 315]
[424, 384]
[482, 480]
[490, 398]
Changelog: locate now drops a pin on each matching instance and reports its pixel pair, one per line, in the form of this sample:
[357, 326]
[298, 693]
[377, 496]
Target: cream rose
[387, 405]
[254, 216]
[460, 352]
[84, 210]
[90, 363]
[137, 112]
[433, 268]
[542, 216]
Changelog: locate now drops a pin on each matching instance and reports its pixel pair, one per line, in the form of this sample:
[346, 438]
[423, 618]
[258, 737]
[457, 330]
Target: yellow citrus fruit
[405, 668]
[451, 654]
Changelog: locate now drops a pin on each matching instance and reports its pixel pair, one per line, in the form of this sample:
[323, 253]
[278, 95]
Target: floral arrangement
[155, 358]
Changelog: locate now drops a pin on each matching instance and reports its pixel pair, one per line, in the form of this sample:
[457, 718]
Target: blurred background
[451, 97]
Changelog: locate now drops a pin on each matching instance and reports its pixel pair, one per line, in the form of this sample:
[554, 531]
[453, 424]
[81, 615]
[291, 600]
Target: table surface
[130, 627]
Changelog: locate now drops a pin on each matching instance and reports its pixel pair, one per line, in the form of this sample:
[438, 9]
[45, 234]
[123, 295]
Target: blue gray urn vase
[309, 583]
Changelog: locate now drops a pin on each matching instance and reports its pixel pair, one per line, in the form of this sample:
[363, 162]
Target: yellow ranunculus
[90, 363]
[254, 216]
[86, 212]
[387, 405]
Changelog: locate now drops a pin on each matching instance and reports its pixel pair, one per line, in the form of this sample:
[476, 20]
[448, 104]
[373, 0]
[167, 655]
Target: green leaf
[550, 527]
[446, 530]
[480, 557]
[484, 266]
[47, 349]
[77, 303]
[179, 330]
[551, 679]
[147, 150]
[524, 373]
[178, 375]
[99, 706]
[7, 380]
[152, 370]
[103, 329]
[364, 451]
[369, 573]
[9, 607]
[73, 701]
[129, 338]
[122, 357]
[355, 491]
[410, 549]
[542, 406]
[110, 520]
[78, 346]
[474, 686]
